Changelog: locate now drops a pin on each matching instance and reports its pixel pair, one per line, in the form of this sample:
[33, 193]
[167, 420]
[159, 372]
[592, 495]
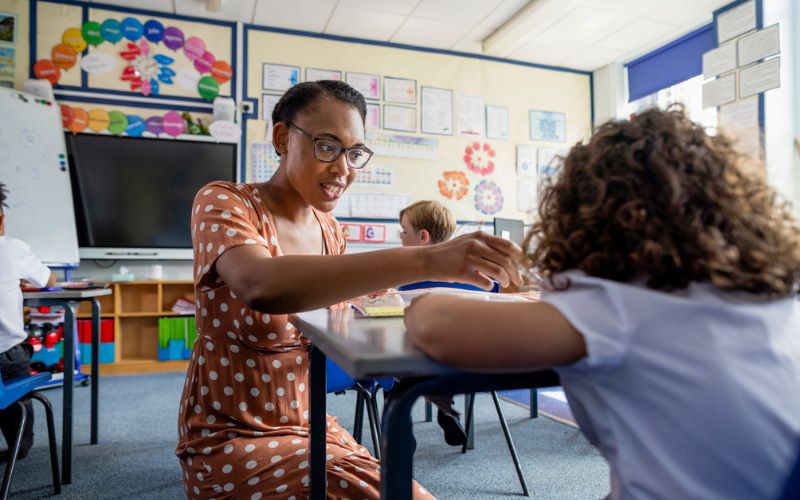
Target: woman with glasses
[263, 251]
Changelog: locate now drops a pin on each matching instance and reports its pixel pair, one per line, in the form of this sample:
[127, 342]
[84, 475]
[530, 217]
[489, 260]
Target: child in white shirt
[669, 310]
[17, 264]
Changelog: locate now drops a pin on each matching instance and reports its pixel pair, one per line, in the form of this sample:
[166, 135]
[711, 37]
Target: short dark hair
[3, 196]
[303, 95]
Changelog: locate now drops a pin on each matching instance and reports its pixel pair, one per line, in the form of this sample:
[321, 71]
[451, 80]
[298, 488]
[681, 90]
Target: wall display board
[108, 49]
[448, 125]
[746, 64]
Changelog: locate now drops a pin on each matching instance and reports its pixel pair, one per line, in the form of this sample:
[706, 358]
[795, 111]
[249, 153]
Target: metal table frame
[65, 299]
[354, 345]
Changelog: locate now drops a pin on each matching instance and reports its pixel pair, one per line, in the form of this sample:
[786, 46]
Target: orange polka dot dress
[243, 422]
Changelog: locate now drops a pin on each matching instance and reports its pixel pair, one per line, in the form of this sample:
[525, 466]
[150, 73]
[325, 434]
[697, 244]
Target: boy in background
[17, 264]
[428, 223]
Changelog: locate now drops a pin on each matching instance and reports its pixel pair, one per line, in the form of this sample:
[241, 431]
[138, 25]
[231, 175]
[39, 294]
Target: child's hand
[474, 258]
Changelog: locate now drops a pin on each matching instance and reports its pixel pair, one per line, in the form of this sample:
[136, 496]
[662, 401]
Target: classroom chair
[12, 392]
[471, 397]
[339, 381]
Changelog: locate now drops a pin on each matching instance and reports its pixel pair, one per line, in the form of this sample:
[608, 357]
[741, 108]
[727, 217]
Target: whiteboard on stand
[33, 166]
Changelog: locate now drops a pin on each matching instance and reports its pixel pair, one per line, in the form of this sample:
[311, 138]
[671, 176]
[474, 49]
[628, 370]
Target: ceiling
[581, 34]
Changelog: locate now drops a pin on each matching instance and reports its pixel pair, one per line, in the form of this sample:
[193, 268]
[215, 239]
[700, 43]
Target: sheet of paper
[373, 115]
[399, 90]
[760, 77]
[369, 85]
[497, 122]
[316, 74]
[401, 118]
[403, 146]
[437, 111]
[736, 21]
[759, 45]
[548, 126]
[280, 77]
[719, 91]
[265, 161]
[526, 194]
[546, 161]
[375, 174]
[526, 160]
[739, 120]
[720, 60]
[470, 117]
[268, 102]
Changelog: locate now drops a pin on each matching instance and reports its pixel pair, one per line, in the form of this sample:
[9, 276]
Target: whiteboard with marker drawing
[33, 166]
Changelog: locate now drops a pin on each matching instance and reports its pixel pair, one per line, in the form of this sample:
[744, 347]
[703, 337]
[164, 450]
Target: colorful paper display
[173, 124]
[47, 69]
[146, 70]
[98, 119]
[488, 197]
[136, 126]
[117, 122]
[64, 56]
[111, 30]
[80, 120]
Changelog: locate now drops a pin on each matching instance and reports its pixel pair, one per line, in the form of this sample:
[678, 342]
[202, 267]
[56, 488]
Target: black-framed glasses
[328, 150]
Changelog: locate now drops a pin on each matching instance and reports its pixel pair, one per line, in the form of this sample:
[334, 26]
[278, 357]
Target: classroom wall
[21, 48]
[782, 105]
[517, 87]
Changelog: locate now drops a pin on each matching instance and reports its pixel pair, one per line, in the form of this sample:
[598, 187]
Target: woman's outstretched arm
[296, 283]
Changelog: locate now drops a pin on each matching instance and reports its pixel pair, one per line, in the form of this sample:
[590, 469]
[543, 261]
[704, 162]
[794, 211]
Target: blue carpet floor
[135, 459]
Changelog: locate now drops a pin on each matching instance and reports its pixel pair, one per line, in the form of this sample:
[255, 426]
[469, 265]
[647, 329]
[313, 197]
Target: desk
[379, 347]
[63, 299]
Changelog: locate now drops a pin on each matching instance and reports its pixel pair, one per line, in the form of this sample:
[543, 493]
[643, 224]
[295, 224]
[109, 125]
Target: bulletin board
[97, 48]
[477, 177]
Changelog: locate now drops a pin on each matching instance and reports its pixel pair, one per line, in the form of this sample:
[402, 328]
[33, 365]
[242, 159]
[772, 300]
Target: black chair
[13, 392]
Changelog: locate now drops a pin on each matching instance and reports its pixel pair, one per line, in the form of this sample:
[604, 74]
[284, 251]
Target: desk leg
[318, 425]
[397, 459]
[95, 367]
[69, 385]
[534, 406]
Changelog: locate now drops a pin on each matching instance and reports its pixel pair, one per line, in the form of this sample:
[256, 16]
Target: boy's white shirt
[17, 262]
[693, 394]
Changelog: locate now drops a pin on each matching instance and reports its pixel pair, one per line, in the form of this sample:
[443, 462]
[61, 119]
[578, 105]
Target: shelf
[89, 316]
[150, 314]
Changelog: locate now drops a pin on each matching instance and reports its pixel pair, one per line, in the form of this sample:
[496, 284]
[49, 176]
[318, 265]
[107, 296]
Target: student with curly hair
[669, 310]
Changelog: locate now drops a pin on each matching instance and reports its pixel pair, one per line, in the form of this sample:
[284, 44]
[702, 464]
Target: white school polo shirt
[17, 262]
[692, 394]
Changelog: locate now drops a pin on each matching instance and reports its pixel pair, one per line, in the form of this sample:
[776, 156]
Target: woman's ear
[280, 137]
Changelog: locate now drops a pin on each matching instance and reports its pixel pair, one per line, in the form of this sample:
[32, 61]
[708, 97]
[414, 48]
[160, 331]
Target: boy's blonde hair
[433, 217]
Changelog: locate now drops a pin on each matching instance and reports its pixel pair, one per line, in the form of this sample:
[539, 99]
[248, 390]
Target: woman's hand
[475, 258]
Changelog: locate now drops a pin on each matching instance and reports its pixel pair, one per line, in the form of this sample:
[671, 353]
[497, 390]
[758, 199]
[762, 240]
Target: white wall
[782, 112]
[610, 92]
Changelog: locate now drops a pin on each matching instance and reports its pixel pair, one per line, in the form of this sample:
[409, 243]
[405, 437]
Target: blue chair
[468, 424]
[791, 488]
[13, 392]
[339, 381]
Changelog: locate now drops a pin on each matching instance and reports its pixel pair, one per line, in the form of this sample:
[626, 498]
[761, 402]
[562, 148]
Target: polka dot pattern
[243, 424]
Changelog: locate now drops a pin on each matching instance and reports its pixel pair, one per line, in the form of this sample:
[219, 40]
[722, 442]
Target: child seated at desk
[669, 311]
[423, 223]
[17, 265]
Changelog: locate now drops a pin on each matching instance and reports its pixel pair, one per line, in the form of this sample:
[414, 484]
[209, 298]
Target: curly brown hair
[656, 198]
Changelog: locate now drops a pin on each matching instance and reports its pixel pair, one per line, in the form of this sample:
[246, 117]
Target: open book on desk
[392, 303]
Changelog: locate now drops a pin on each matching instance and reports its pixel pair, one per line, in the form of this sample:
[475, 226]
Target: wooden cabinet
[135, 307]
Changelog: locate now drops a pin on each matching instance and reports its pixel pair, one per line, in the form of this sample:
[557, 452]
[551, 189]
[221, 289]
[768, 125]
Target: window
[688, 92]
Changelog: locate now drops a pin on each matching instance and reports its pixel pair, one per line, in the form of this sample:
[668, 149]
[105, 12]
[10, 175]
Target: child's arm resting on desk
[493, 336]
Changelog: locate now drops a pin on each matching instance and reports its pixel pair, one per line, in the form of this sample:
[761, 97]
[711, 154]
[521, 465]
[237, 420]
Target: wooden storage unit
[135, 307]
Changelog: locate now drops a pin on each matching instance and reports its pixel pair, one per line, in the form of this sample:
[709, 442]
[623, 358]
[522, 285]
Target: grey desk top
[68, 294]
[366, 347]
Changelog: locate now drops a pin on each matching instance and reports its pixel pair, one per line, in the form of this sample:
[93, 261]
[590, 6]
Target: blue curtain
[670, 64]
